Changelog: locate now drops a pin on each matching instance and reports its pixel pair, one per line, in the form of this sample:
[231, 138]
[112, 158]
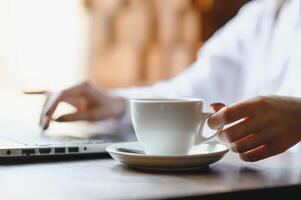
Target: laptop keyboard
[44, 140]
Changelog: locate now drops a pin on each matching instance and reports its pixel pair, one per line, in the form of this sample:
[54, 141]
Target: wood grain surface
[106, 179]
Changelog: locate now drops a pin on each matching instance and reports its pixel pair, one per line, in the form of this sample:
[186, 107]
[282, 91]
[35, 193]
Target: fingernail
[233, 148]
[43, 122]
[244, 157]
[46, 126]
[217, 104]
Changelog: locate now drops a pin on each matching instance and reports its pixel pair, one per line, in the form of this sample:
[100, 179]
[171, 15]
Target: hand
[91, 105]
[267, 126]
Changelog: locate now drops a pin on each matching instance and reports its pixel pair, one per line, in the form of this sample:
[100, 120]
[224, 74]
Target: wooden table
[104, 178]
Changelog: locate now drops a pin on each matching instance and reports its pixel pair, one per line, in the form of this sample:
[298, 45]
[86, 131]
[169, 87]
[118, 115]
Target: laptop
[21, 143]
[21, 136]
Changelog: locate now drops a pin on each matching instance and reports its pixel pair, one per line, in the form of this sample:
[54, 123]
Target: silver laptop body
[19, 144]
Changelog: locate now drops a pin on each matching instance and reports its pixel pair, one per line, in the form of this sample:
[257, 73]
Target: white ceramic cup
[169, 126]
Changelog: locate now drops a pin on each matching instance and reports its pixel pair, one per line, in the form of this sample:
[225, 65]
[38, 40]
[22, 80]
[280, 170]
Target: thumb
[216, 107]
[77, 116]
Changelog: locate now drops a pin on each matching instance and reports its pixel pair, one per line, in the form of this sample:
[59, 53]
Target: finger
[77, 116]
[94, 115]
[56, 98]
[260, 153]
[49, 108]
[68, 95]
[42, 121]
[217, 106]
[253, 141]
[233, 113]
[242, 129]
[77, 103]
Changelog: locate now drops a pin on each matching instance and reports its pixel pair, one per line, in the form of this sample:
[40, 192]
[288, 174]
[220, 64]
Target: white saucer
[199, 157]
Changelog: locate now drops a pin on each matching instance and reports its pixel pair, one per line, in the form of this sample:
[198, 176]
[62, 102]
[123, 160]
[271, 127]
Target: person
[252, 64]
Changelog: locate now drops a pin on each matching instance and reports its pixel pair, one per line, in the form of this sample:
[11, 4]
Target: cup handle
[200, 138]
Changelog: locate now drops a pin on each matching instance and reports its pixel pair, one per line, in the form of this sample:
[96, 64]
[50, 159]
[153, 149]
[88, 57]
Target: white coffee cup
[169, 126]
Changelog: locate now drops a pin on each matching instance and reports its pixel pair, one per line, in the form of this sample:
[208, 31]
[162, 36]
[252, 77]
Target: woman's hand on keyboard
[91, 104]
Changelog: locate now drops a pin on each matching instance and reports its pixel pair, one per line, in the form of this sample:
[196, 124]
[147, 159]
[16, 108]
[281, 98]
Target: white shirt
[256, 53]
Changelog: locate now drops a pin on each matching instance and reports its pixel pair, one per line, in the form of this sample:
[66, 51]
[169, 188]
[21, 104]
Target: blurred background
[52, 44]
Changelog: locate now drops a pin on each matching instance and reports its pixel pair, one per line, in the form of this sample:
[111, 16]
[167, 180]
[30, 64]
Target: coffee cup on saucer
[169, 126]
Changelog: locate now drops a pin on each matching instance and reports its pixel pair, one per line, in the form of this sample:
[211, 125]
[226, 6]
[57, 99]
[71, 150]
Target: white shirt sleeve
[218, 73]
